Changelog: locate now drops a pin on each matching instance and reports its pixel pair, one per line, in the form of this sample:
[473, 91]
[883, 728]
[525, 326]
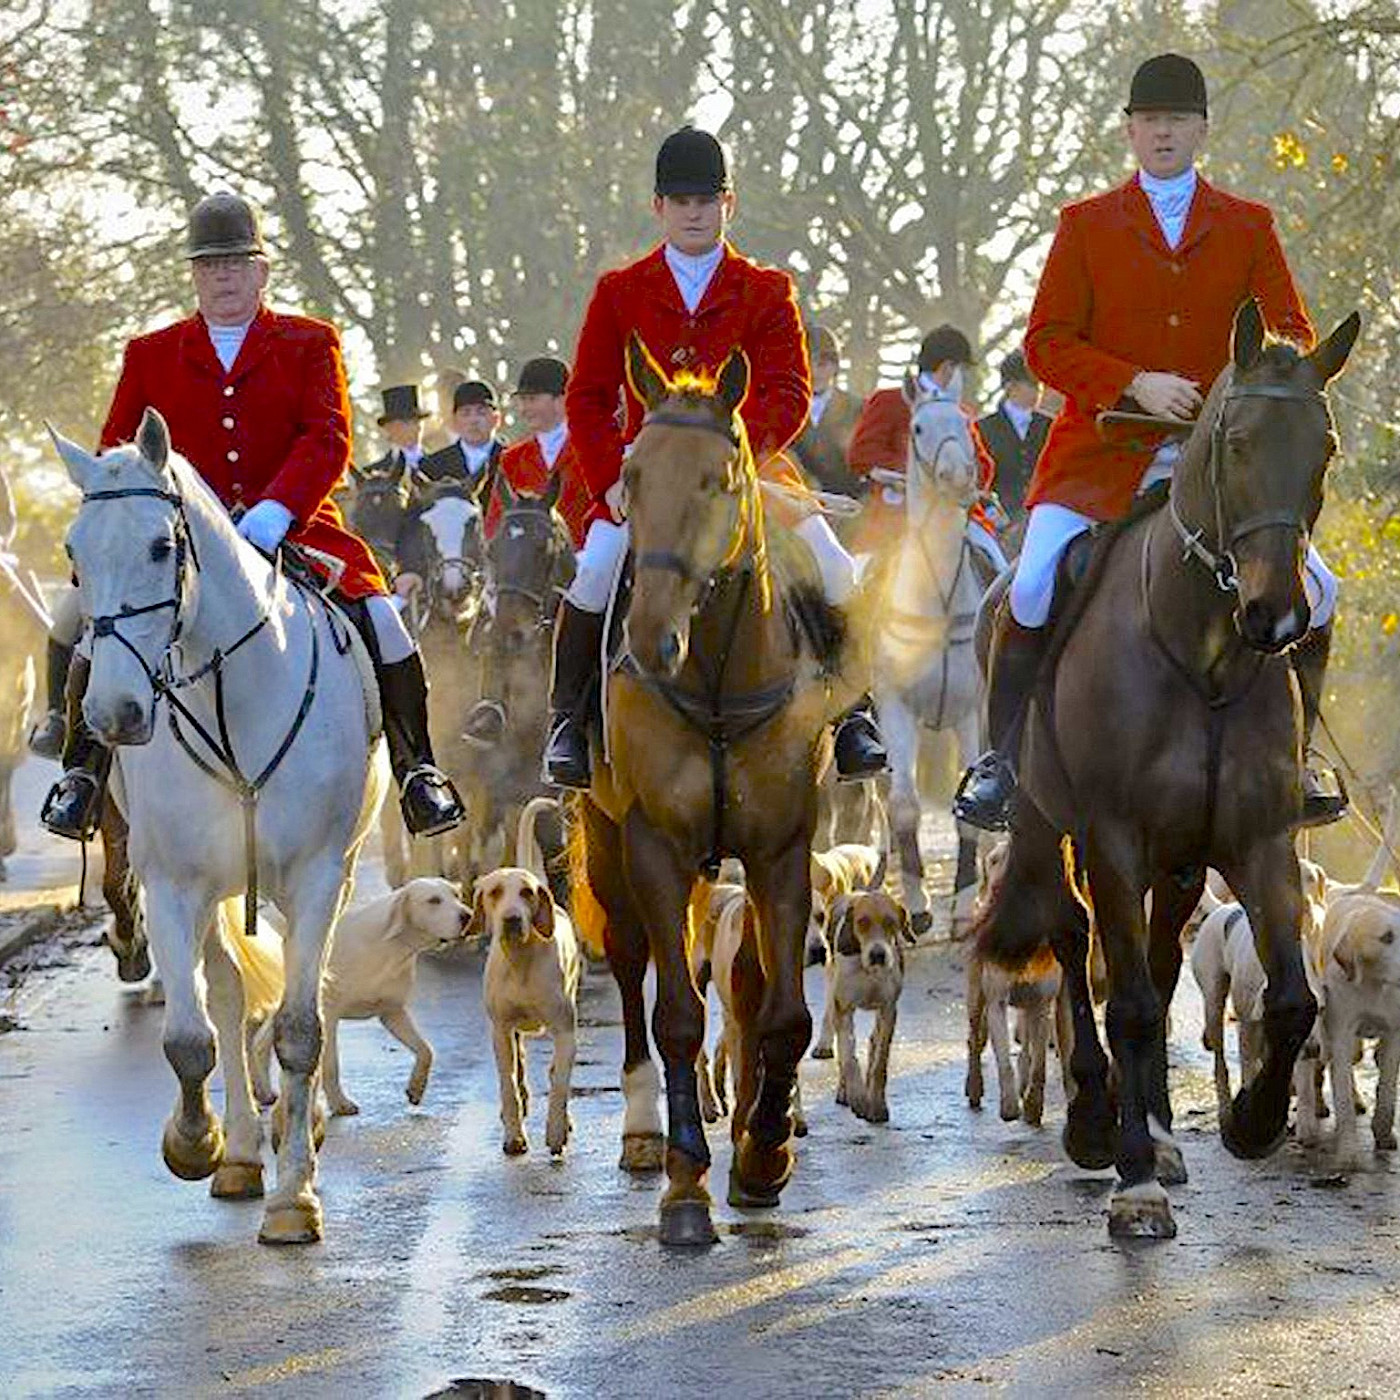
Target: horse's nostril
[130, 716]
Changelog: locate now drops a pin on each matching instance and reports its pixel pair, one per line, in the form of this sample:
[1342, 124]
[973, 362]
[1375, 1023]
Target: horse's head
[522, 559]
[942, 455]
[692, 499]
[454, 524]
[378, 507]
[1265, 441]
[134, 564]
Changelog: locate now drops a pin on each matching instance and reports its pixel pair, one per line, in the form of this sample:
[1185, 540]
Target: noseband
[1221, 560]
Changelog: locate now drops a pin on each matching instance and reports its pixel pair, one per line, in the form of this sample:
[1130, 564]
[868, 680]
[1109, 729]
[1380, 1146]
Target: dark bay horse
[1166, 739]
[716, 737]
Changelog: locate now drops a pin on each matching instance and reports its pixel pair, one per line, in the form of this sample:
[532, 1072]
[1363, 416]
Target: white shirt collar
[819, 404]
[227, 342]
[475, 456]
[1170, 200]
[552, 443]
[1019, 417]
[693, 272]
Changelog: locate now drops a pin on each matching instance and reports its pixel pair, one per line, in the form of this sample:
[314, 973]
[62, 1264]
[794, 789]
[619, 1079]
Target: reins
[165, 684]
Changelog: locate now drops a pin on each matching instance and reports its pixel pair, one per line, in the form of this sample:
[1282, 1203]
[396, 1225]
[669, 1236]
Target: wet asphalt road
[944, 1253]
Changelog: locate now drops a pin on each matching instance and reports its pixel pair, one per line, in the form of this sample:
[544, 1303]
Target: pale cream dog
[868, 931]
[1033, 994]
[1228, 971]
[531, 986]
[370, 973]
[1357, 962]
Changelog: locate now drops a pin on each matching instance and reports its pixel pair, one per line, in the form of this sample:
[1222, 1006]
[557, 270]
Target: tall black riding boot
[985, 794]
[860, 750]
[578, 636]
[429, 801]
[1324, 797]
[73, 807]
[46, 738]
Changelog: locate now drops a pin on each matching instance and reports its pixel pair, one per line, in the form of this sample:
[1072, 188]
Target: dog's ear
[543, 919]
[1346, 958]
[477, 927]
[398, 910]
[906, 929]
[821, 876]
[843, 921]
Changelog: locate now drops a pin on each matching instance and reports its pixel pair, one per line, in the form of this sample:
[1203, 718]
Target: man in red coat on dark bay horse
[257, 402]
[1134, 311]
[692, 301]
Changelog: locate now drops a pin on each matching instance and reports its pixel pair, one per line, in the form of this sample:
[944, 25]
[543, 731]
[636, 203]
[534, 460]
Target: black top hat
[826, 345]
[691, 161]
[942, 344]
[543, 375]
[473, 391]
[1167, 83]
[401, 404]
[1015, 370]
[223, 225]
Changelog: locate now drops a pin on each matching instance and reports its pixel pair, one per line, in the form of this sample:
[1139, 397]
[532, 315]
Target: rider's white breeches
[982, 538]
[596, 565]
[601, 556]
[1049, 532]
[395, 644]
[67, 617]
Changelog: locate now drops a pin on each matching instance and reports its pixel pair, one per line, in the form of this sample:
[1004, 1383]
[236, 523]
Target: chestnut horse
[716, 725]
[1166, 739]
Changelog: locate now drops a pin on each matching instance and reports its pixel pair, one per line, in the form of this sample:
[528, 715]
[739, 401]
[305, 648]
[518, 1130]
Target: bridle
[224, 767]
[1221, 561]
[668, 560]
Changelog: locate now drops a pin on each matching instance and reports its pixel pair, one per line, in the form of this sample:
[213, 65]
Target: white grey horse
[926, 671]
[184, 614]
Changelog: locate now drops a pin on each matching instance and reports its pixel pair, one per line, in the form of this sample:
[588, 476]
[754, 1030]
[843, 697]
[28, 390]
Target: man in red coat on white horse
[692, 300]
[256, 401]
[1134, 310]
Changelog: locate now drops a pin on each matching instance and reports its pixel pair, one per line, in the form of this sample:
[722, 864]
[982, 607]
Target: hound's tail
[589, 917]
[258, 959]
[882, 839]
[528, 851]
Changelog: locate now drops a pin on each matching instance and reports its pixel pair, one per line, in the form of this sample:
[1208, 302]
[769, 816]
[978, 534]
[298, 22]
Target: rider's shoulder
[308, 330]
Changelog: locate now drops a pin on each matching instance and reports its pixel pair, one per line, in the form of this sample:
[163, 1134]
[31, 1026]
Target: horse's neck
[931, 568]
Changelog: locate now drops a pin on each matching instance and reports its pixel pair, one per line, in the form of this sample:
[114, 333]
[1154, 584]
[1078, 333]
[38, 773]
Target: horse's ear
[79, 464]
[1247, 339]
[909, 389]
[1331, 355]
[732, 387]
[646, 379]
[153, 439]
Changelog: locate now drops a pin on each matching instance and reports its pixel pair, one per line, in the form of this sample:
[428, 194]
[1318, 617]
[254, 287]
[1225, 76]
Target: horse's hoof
[921, 922]
[298, 1223]
[134, 967]
[799, 1127]
[1250, 1134]
[1169, 1166]
[193, 1161]
[823, 1052]
[643, 1153]
[1010, 1110]
[1385, 1142]
[745, 1197]
[1090, 1138]
[1141, 1212]
[687, 1225]
[237, 1181]
[515, 1146]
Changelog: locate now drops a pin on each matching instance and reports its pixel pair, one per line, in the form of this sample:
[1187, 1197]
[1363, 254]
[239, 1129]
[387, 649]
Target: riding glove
[265, 524]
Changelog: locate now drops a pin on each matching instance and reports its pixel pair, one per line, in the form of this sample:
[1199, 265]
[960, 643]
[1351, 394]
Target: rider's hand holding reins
[265, 525]
[1166, 395]
[615, 498]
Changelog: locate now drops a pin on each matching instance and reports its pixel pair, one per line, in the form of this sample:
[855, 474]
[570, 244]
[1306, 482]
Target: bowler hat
[1167, 83]
[1015, 370]
[942, 344]
[401, 404]
[473, 392]
[543, 375]
[691, 161]
[825, 345]
[223, 225]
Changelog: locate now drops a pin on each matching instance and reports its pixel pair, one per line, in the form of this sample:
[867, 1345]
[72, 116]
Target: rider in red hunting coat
[257, 403]
[1134, 310]
[693, 301]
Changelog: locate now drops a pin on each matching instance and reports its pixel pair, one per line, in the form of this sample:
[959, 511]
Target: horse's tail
[258, 959]
[528, 851]
[1034, 900]
[589, 917]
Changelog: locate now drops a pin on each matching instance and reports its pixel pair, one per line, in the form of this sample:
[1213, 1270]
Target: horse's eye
[161, 550]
